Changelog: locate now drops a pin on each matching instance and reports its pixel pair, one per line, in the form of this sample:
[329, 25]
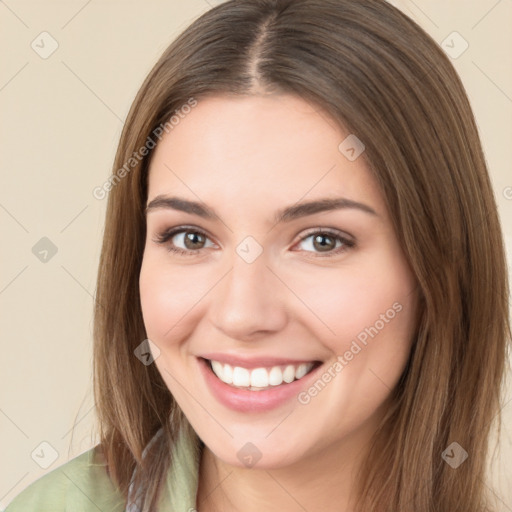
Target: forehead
[238, 150]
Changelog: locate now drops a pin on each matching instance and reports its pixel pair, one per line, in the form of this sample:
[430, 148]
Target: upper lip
[254, 362]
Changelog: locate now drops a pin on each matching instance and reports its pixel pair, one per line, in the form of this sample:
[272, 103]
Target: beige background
[62, 117]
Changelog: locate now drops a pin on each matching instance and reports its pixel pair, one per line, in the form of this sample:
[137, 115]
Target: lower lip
[252, 401]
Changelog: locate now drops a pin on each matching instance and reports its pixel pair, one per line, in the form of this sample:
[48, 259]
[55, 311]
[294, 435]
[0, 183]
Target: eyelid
[165, 234]
[347, 240]
[328, 231]
[164, 237]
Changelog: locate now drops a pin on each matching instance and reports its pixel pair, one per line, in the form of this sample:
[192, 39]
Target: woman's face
[268, 287]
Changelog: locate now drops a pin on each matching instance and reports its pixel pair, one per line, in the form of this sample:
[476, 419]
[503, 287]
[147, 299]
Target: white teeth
[241, 377]
[289, 374]
[259, 378]
[275, 377]
[217, 367]
[301, 371]
[228, 374]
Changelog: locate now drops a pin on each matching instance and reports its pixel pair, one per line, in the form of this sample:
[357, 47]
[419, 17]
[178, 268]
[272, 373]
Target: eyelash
[165, 236]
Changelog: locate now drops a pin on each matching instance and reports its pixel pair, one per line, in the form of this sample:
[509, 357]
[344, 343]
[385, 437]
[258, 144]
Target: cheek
[371, 310]
[169, 298]
[357, 303]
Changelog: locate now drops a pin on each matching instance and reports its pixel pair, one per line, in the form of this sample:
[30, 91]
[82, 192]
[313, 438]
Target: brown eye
[326, 242]
[194, 240]
[184, 241]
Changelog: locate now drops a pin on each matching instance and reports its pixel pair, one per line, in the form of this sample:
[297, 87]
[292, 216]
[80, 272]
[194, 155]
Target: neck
[323, 481]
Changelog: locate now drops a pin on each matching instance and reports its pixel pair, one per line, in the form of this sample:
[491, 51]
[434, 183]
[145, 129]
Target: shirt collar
[179, 491]
[183, 475]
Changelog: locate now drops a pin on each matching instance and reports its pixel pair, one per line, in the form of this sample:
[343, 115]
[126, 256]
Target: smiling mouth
[260, 379]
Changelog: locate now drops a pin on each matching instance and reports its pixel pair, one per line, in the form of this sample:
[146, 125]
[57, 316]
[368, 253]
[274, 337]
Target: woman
[302, 295]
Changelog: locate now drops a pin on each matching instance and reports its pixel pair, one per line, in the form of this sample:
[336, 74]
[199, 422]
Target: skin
[247, 158]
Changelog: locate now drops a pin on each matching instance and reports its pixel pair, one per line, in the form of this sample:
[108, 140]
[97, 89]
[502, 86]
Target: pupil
[192, 238]
[323, 246]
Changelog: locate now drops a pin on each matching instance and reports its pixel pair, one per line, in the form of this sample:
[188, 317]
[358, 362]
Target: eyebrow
[285, 215]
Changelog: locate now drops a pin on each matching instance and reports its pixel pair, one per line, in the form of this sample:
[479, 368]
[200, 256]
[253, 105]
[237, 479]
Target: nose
[249, 301]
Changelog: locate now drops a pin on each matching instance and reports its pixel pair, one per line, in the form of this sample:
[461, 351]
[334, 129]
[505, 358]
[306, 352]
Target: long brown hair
[384, 79]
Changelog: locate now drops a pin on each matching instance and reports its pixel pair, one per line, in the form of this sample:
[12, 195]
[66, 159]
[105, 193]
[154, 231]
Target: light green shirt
[83, 485]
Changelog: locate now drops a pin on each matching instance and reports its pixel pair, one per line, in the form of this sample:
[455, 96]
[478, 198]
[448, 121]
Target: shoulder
[81, 484]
